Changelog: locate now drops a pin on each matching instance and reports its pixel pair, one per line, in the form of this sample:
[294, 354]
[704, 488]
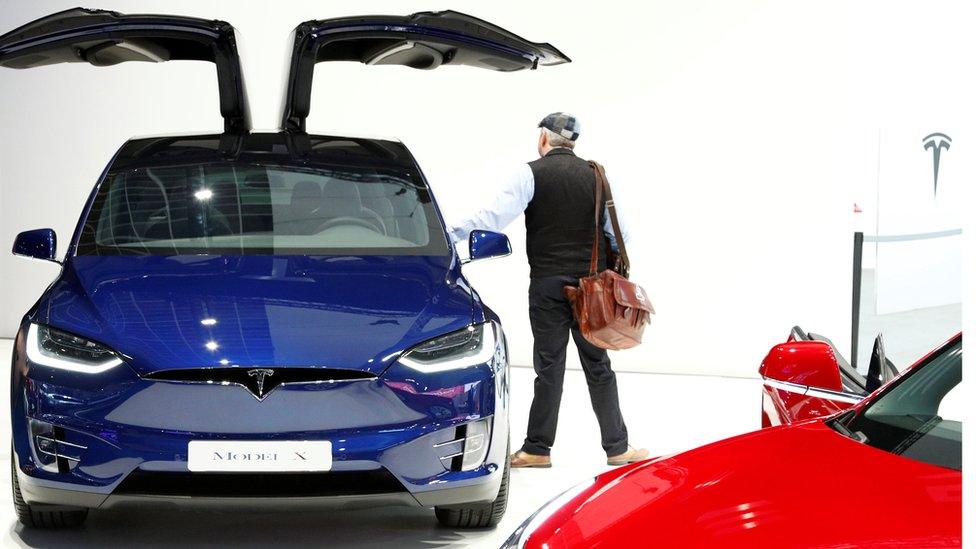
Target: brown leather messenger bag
[610, 309]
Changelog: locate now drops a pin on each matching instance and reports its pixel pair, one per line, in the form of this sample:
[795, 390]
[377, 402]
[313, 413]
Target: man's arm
[515, 196]
[608, 227]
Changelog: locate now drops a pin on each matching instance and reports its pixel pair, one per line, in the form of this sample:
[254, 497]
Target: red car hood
[803, 485]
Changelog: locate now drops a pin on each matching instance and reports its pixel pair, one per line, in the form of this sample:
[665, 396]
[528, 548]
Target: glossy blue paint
[131, 423]
[169, 312]
[205, 311]
[196, 312]
[38, 244]
[487, 244]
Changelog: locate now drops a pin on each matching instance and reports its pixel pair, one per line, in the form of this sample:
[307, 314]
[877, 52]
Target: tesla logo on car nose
[936, 142]
[260, 374]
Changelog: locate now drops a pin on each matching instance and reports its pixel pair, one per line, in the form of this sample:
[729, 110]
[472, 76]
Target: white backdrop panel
[725, 128]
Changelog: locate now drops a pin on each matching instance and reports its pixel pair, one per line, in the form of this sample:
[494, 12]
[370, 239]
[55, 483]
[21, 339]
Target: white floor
[665, 413]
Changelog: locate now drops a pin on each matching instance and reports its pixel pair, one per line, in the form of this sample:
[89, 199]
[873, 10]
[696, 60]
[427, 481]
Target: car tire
[35, 517]
[484, 515]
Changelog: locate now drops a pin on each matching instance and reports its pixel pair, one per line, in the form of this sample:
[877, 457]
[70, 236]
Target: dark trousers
[552, 321]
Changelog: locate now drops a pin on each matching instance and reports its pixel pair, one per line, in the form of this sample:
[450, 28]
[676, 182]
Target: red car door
[806, 378]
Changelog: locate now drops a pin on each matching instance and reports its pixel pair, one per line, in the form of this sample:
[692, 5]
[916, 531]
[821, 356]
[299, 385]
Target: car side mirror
[487, 244]
[804, 363]
[38, 244]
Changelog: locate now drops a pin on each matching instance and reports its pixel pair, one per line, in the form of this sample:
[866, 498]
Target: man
[556, 192]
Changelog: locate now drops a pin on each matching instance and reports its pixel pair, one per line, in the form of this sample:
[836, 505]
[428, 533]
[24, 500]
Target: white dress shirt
[514, 197]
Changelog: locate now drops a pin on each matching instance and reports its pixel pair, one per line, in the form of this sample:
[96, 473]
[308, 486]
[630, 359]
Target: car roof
[263, 147]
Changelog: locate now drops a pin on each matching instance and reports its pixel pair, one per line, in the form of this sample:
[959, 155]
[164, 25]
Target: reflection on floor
[665, 413]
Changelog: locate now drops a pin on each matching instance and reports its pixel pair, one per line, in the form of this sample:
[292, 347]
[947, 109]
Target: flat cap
[563, 124]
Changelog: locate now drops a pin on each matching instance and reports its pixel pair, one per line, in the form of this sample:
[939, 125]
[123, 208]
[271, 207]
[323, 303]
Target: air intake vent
[260, 381]
[54, 452]
[469, 447]
[230, 485]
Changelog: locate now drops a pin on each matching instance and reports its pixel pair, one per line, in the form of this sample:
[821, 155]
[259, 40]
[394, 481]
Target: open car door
[425, 40]
[807, 377]
[103, 38]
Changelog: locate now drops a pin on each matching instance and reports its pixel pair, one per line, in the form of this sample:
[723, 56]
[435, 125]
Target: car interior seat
[341, 199]
[375, 200]
[303, 211]
[410, 221]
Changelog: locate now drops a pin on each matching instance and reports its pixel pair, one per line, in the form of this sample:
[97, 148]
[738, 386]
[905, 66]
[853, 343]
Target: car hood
[803, 485]
[171, 312]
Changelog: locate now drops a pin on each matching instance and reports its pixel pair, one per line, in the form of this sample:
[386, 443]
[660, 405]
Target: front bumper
[56, 494]
[120, 439]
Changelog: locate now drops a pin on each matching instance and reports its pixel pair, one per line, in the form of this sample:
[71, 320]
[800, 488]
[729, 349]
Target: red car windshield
[920, 417]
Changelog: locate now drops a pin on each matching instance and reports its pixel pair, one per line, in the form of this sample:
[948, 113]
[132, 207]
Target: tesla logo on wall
[936, 142]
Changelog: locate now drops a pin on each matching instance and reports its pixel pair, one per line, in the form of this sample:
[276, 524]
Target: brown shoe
[630, 456]
[522, 460]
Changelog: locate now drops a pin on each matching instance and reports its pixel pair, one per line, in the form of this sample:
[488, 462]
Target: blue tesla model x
[247, 317]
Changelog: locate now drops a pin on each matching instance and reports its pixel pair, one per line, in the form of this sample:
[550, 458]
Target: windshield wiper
[839, 425]
[925, 419]
[927, 424]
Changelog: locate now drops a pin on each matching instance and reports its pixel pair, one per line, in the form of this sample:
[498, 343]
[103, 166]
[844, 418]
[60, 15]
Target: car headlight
[466, 347]
[521, 534]
[57, 349]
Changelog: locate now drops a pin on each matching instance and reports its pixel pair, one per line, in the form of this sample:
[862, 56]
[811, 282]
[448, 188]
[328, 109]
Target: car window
[252, 209]
[917, 418]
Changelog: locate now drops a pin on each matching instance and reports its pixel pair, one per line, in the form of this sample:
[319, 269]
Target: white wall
[732, 133]
[921, 273]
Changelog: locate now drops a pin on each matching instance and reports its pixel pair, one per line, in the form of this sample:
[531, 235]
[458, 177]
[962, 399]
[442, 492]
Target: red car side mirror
[810, 363]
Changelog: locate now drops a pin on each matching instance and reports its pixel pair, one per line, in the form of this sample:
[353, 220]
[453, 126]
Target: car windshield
[920, 417]
[247, 208]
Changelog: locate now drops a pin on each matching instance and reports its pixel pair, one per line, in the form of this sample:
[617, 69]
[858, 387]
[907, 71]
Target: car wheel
[485, 515]
[37, 517]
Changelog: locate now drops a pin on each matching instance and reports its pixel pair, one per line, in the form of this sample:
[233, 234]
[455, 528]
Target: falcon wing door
[425, 40]
[103, 38]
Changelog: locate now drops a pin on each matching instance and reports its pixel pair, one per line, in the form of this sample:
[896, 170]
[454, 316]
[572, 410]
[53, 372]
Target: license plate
[259, 456]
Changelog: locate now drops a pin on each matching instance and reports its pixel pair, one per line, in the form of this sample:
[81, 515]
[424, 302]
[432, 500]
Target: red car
[840, 466]
[807, 377]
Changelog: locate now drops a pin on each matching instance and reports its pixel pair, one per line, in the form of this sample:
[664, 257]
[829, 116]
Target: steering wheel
[347, 220]
[382, 224]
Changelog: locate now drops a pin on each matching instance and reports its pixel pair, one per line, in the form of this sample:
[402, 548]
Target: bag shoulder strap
[598, 193]
[604, 186]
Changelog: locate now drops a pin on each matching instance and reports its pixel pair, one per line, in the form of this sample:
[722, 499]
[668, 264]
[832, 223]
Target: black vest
[559, 218]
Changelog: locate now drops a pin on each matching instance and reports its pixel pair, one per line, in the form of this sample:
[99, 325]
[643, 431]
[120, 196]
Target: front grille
[260, 485]
[259, 380]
